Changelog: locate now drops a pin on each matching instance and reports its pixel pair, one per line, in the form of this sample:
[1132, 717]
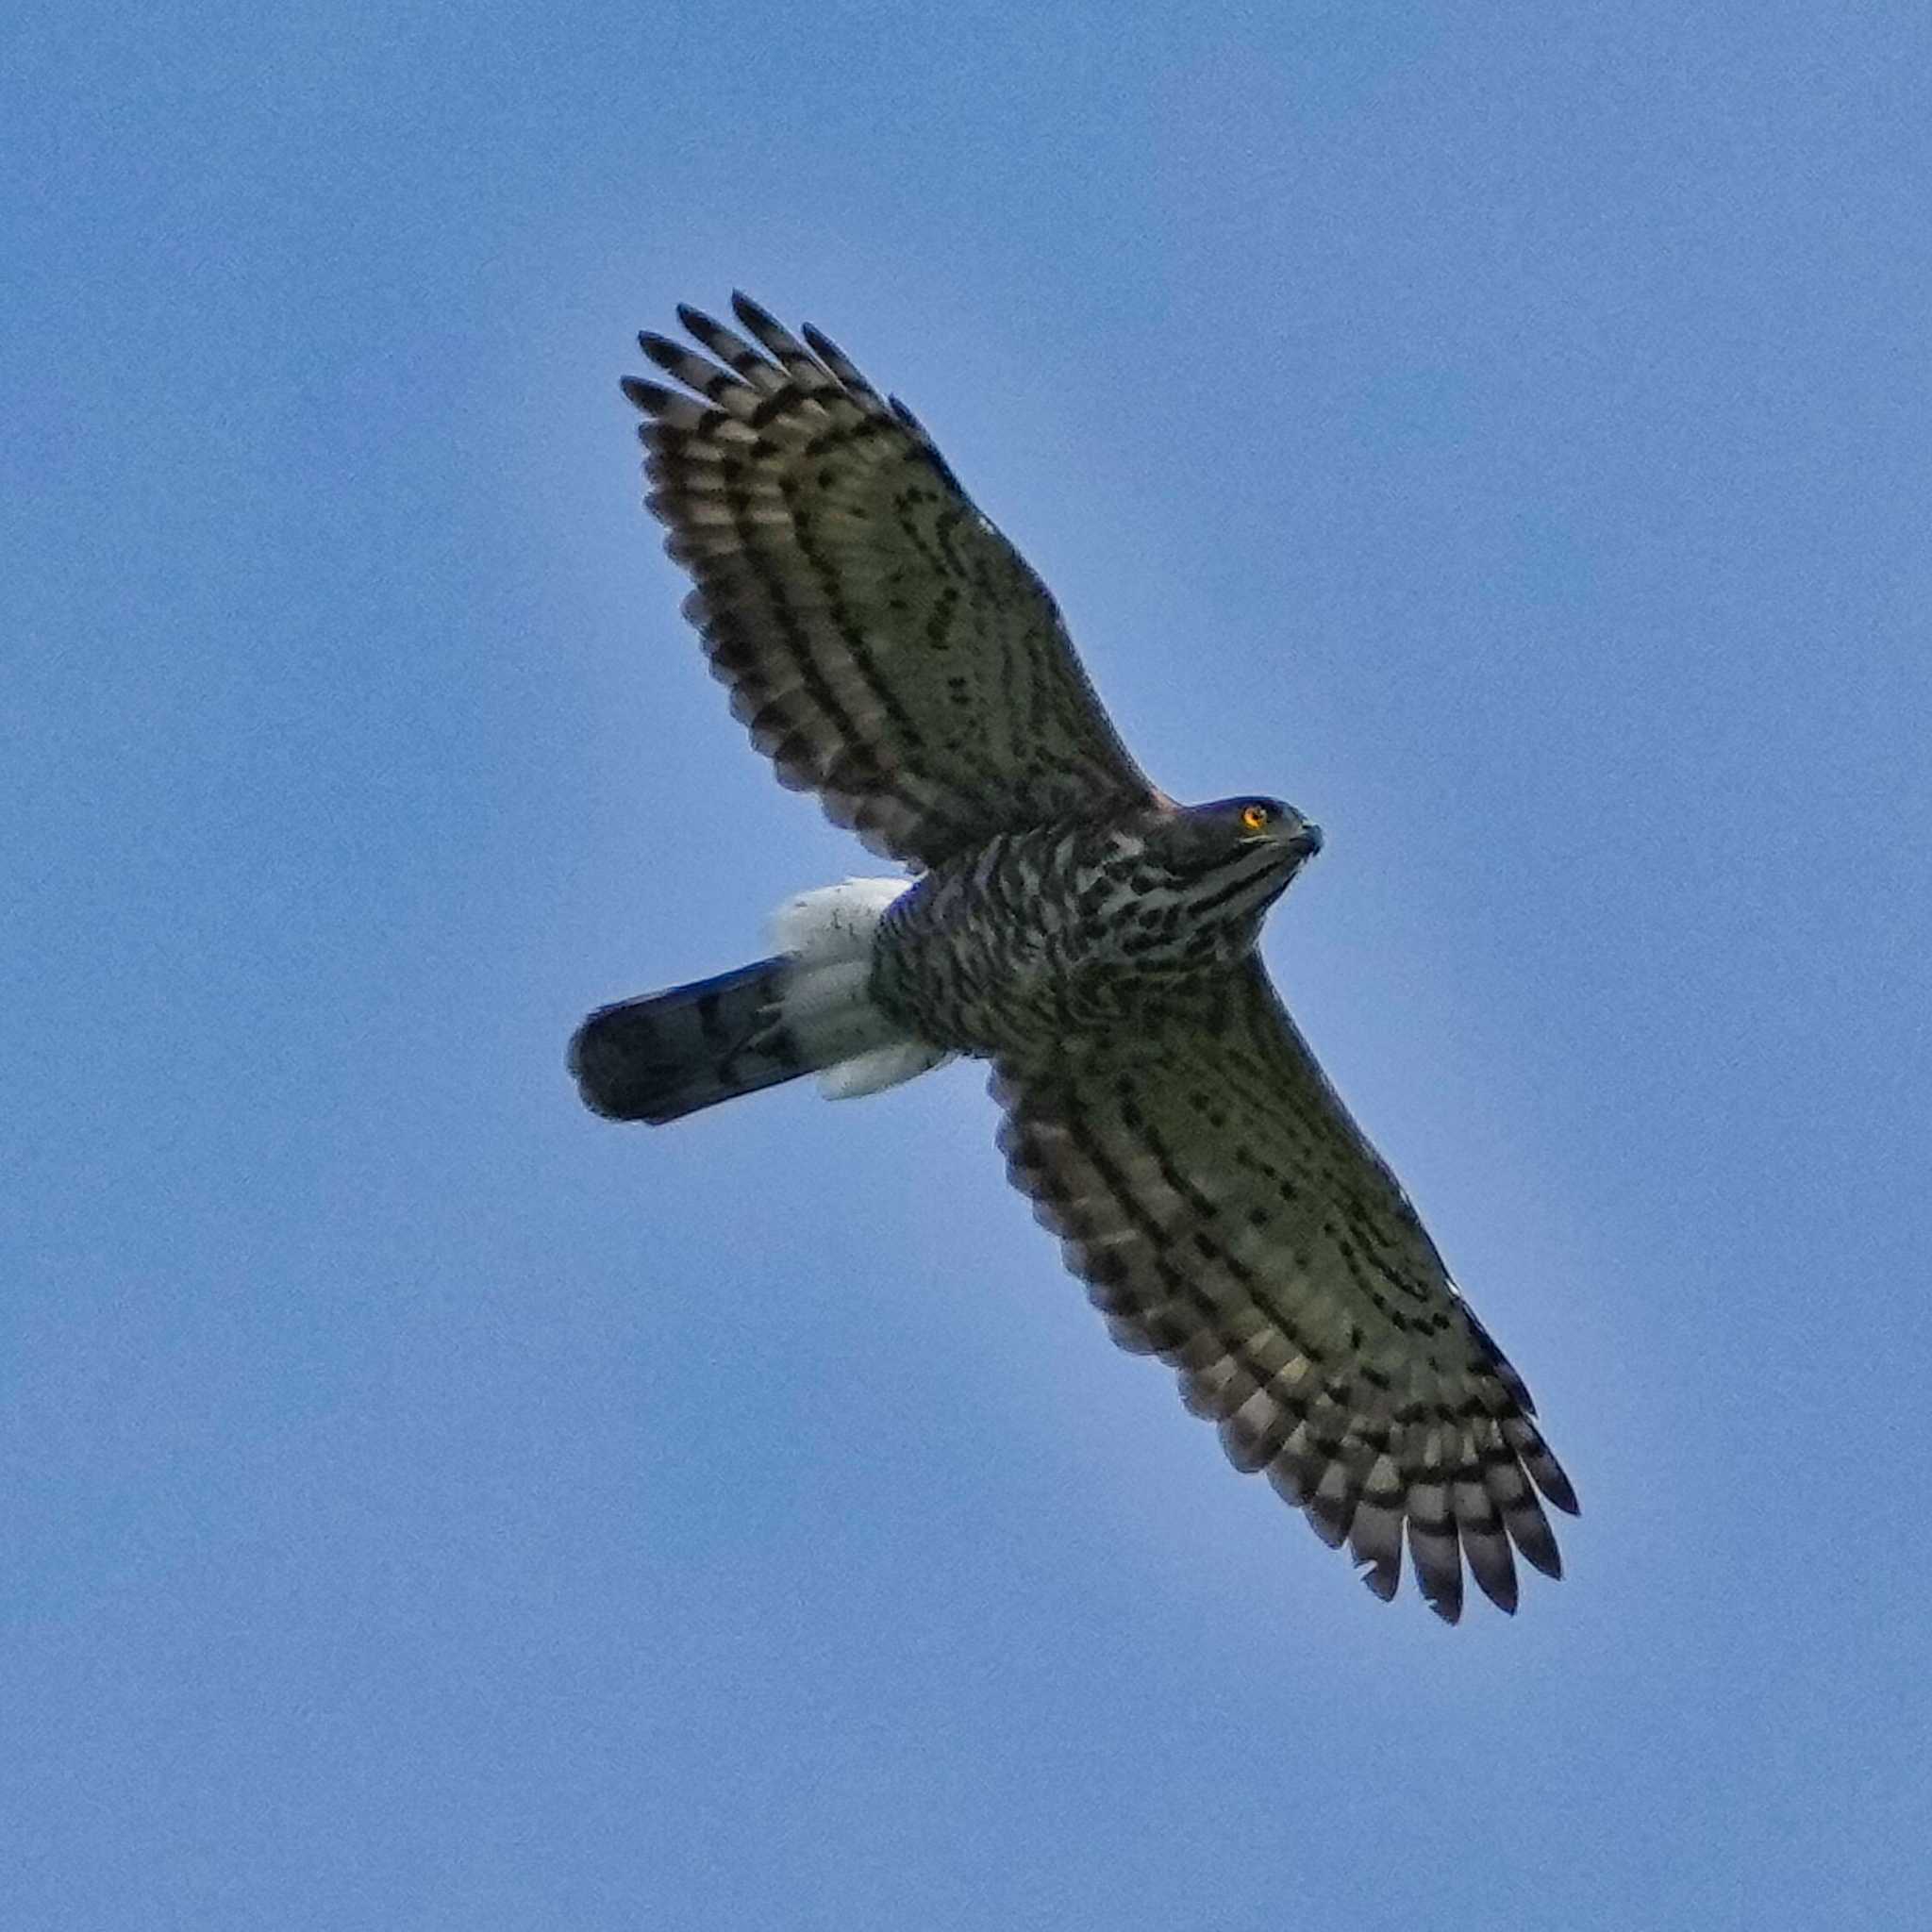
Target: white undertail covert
[827, 937]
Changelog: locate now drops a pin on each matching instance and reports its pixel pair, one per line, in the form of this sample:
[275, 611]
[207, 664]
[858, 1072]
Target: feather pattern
[883, 643]
[1228, 1216]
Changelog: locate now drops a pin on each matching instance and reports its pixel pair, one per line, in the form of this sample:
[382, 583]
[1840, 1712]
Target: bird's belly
[1011, 951]
[1026, 994]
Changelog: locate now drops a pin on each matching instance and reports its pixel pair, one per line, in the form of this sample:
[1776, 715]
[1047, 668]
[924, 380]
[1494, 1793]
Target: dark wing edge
[1228, 1216]
[885, 646]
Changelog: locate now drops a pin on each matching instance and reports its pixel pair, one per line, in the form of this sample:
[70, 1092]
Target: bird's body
[1037, 941]
[1075, 927]
[1031, 946]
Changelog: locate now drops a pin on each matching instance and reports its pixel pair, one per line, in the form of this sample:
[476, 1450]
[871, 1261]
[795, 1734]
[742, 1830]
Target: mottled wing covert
[1228, 1216]
[884, 644]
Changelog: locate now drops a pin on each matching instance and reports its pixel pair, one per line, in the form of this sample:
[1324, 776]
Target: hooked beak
[1306, 839]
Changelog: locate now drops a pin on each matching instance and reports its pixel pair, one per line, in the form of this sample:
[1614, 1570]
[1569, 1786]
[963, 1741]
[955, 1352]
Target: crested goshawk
[1069, 923]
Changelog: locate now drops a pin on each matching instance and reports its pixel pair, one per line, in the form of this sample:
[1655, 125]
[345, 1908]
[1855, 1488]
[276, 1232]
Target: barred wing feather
[884, 644]
[1229, 1217]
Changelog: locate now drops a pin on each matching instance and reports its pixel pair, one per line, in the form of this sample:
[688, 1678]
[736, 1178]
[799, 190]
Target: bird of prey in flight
[1071, 925]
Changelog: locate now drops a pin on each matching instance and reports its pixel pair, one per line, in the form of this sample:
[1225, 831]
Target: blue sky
[1502, 432]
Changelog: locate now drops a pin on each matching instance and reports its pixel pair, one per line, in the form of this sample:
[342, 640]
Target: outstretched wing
[885, 646]
[1229, 1217]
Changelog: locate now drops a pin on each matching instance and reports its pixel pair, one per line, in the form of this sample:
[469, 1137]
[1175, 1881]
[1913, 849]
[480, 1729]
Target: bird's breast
[1030, 944]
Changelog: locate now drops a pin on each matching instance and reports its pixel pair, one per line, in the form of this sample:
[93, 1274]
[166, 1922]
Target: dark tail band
[669, 1054]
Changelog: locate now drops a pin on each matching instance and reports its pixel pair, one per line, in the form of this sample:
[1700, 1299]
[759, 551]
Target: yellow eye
[1255, 818]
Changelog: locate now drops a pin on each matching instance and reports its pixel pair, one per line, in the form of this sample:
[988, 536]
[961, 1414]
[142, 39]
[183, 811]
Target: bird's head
[1223, 865]
[1235, 838]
